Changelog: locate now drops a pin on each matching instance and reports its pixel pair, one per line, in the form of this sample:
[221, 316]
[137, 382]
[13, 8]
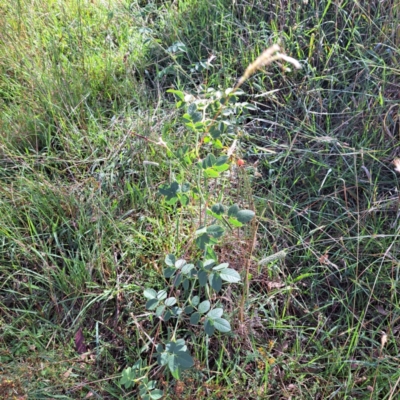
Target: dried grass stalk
[267, 57]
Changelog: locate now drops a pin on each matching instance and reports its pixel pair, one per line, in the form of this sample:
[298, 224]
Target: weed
[85, 228]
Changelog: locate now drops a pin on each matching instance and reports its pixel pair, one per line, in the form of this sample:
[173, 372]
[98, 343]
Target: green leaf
[215, 230]
[160, 348]
[229, 92]
[245, 216]
[170, 271]
[221, 168]
[170, 301]
[169, 191]
[208, 264]
[215, 313]
[176, 311]
[173, 359]
[221, 266]
[151, 385]
[163, 359]
[191, 125]
[185, 187]
[180, 345]
[152, 304]
[178, 280]
[215, 132]
[216, 216]
[195, 318]
[209, 327]
[192, 108]
[177, 47]
[195, 300]
[211, 173]
[209, 161]
[230, 275]
[185, 360]
[202, 275]
[199, 125]
[303, 276]
[143, 395]
[203, 307]
[228, 111]
[178, 93]
[215, 282]
[218, 209]
[185, 284]
[172, 200]
[222, 325]
[233, 210]
[196, 117]
[170, 260]
[176, 374]
[187, 268]
[162, 295]
[235, 223]
[150, 293]
[177, 356]
[167, 315]
[221, 160]
[189, 310]
[156, 394]
[169, 70]
[180, 263]
[247, 106]
[202, 241]
[211, 253]
[128, 377]
[184, 199]
[201, 230]
[218, 144]
[160, 310]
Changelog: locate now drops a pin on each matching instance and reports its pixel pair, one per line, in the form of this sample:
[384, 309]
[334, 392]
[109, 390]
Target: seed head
[267, 57]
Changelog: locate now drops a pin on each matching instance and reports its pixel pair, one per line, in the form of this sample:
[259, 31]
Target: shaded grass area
[83, 232]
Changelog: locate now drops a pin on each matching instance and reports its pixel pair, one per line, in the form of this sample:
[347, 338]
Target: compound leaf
[169, 191]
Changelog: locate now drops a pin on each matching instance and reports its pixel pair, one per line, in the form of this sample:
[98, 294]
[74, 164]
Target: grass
[83, 232]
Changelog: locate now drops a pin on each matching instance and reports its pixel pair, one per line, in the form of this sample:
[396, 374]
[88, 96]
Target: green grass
[83, 231]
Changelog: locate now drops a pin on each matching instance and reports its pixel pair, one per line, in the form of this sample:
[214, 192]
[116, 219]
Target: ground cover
[90, 131]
